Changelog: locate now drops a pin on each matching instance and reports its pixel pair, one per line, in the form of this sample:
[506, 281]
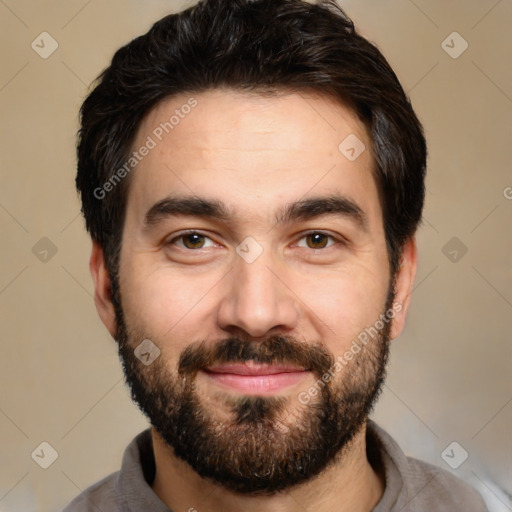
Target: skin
[256, 155]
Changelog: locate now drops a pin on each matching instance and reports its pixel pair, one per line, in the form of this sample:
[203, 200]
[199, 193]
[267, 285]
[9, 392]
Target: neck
[351, 484]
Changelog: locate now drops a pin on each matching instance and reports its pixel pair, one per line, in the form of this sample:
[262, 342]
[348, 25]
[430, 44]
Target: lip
[255, 379]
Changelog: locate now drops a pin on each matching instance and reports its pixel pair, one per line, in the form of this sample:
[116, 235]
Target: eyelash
[335, 239]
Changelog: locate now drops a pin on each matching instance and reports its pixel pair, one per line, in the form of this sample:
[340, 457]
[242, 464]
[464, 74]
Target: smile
[257, 379]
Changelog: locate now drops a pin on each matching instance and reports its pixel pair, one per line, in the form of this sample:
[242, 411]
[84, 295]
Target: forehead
[244, 148]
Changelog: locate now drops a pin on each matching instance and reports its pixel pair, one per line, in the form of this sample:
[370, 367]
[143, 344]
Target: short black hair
[262, 46]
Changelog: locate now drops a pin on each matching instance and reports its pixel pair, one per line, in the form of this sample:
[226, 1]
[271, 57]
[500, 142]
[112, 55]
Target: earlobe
[404, 282]
[102, 288]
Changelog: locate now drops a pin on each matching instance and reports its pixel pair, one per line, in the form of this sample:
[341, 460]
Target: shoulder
[416, 486]
[438, 489]
[126, 488]
[99, 496]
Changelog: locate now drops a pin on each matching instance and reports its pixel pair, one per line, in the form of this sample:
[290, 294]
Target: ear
[404, 282]
[102, 288]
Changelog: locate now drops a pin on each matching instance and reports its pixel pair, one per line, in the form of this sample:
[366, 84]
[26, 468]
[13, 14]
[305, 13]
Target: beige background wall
[450, 376]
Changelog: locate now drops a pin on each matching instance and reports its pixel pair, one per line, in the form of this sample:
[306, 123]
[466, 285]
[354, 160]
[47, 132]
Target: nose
[257, 300]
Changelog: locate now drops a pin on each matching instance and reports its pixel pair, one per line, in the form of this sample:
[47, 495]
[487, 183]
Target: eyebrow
[312, 208]
[183, 206]
[305, 209]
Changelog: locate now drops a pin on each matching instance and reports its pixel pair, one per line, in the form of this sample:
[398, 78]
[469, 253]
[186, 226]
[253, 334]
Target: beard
[255, 444]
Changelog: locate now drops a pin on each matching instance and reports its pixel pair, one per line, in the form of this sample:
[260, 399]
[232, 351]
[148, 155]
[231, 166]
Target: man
[252, 177]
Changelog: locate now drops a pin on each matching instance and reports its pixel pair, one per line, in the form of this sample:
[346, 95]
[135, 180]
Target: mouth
[255, 379]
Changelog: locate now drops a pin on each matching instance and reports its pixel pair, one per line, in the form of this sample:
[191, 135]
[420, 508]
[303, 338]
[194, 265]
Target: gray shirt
[411, 485]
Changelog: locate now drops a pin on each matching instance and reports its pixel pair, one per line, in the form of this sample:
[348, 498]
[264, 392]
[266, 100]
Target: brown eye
[193, 241]
[317, 240]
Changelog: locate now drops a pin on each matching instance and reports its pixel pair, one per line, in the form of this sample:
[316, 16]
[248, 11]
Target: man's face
[253, 256]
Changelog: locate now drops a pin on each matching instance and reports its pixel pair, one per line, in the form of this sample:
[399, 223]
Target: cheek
[171, 308]
[343, 304]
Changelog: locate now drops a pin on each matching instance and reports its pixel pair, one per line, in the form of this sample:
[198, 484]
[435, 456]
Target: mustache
[274, 349]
